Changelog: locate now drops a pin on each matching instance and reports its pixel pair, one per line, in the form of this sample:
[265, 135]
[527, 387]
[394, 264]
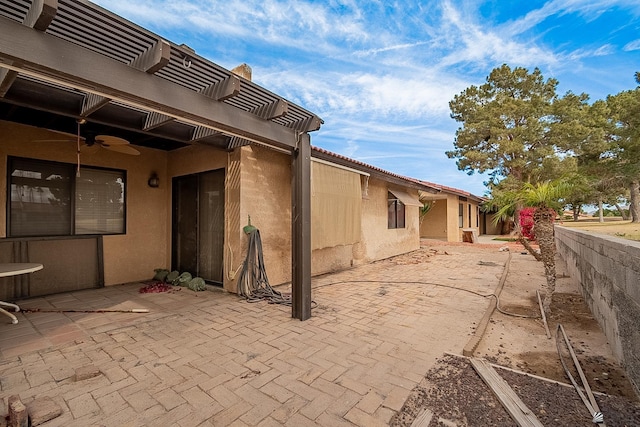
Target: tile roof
[356, 164]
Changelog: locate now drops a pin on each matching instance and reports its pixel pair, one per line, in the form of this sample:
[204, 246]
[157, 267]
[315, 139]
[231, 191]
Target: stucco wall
[128, 257]
[490, 226]
[434, 223]
[441, 222]
[266, 197]
[265, 194]
[608, 271]
[454, 233]
[470, 217]
[195, 159]
[379, 241]
[258, 183]
[327, 260]
[134, 255]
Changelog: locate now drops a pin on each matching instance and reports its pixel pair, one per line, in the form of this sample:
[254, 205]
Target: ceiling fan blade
[110, 140]
[89, 149]
[124, 149]
[64, 135]
[55, 140]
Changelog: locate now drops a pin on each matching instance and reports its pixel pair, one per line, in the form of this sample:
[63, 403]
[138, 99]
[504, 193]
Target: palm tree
[493, 204]
[545, 197]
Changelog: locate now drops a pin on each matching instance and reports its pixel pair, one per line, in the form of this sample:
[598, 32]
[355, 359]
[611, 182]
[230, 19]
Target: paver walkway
[212, 359]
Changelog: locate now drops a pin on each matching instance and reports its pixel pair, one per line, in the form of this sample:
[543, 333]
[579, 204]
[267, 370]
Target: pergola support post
[301, 230]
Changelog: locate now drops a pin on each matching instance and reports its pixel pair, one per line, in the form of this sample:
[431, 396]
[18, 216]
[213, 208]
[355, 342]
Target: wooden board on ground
[423, 419]
[505, 394]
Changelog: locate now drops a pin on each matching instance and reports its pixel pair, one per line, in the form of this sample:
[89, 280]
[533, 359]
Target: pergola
[67, 61]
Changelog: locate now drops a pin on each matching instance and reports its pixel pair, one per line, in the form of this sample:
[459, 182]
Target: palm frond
[548, 194]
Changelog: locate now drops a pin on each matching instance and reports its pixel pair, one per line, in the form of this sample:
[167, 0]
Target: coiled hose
[253, 283]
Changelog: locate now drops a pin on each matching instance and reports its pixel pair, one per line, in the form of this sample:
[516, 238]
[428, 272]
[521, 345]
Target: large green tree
[584, 133]
[516, 128]
[505, 124]
[581, 194]
[625, 152]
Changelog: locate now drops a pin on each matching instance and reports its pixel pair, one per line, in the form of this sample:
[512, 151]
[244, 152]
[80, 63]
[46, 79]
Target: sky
[381, 73]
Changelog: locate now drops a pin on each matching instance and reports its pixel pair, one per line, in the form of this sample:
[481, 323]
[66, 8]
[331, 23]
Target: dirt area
[458, 397]
[612, 227]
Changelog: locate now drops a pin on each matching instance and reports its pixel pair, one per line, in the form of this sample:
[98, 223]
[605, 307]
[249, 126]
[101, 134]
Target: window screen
[99, 202]
[48, 199]
[40, 198]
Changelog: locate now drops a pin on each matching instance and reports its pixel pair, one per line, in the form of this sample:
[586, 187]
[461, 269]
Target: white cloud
[590, 53]
[484, 45]
[381, 74]
[386, 133]
[402, 94]
[588, 10]
[375, 51]
[306, 25]
[351, 148]
[631, 46]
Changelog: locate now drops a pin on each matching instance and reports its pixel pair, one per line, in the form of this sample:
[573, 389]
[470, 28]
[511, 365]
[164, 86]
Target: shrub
[197, 284]
[526, 222]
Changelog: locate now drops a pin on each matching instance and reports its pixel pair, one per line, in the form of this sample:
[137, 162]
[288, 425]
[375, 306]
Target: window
[395, 211]
[460, 215]
[477, 216]
[469, 208]
[48, 199]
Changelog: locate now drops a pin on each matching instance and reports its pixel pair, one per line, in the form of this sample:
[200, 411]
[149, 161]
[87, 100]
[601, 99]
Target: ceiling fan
[93, 142]
[112, 143]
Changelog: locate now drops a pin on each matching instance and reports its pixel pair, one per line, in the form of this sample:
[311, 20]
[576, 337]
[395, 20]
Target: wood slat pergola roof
[55, 100]
[69, 61]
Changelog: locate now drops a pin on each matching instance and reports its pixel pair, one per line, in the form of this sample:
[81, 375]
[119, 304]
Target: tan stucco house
[451, 212]
[121, 152]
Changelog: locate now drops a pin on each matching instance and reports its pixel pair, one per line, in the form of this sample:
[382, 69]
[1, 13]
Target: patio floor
[212, 359]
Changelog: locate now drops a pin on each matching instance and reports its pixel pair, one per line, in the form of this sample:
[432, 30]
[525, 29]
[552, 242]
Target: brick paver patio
[212, 359]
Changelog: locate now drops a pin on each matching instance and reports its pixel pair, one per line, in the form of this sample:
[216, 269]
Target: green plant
[425, 208]
[197, 284]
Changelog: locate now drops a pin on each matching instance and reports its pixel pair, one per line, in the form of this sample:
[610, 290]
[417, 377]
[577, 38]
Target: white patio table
[14, 269]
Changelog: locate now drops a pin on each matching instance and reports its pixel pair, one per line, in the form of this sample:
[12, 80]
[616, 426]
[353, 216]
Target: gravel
[457, 396]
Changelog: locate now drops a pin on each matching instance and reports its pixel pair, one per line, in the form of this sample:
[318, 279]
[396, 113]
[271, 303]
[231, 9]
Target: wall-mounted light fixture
[154, 181]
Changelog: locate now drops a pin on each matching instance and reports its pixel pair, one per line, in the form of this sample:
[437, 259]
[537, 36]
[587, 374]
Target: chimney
[242, 70]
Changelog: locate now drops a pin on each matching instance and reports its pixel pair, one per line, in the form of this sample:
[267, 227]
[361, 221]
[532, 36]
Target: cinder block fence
[608, 271]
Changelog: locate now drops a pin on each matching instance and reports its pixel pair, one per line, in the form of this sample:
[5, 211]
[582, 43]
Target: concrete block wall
[608, 271]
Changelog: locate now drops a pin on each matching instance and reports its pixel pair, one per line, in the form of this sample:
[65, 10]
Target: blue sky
[381, 73]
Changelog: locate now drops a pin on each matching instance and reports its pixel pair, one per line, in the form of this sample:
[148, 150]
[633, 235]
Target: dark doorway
[198, 225]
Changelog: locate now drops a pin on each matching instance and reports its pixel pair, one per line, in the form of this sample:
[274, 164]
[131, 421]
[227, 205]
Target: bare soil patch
[456, 394]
